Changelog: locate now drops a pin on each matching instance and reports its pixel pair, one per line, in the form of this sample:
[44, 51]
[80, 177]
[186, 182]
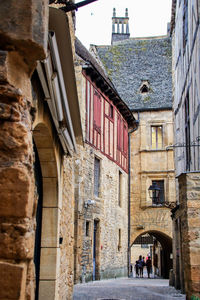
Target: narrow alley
[127, 289]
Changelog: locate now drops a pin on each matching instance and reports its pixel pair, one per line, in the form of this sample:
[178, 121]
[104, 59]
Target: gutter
[137, 122]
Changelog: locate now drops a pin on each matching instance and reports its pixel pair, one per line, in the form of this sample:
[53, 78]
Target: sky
[146, 18]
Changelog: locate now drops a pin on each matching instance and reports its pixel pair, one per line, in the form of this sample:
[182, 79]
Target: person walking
[141, 265]
[137, 268]
[148, 266]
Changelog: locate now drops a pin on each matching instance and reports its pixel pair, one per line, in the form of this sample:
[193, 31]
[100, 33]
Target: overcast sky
[146, 18]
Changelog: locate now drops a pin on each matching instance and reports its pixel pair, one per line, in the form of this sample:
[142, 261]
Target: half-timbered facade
[101, 220]
[106, 128]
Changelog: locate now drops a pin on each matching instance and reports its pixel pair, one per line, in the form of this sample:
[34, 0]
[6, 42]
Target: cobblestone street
[126, 289]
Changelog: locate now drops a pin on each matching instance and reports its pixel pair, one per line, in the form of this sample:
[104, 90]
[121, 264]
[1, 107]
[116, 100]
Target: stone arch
[49, 255]
[166, 242]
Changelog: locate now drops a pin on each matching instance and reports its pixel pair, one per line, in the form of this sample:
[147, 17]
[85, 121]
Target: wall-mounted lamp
[88, 203]
[154, 192]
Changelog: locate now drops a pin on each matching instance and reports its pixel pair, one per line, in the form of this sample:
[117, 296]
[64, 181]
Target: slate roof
[99, 76]
[134, 60]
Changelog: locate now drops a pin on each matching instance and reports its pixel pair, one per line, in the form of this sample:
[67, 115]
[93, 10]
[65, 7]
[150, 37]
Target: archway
[47, 209]
[159, 248]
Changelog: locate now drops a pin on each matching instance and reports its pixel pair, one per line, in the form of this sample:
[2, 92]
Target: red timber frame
[106, 129]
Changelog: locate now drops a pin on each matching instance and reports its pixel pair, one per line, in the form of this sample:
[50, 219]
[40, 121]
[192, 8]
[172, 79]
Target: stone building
[186, 90]
[140, 69]
[39, 131]
[101, 190]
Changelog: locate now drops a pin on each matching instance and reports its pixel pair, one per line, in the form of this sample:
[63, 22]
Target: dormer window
[144, 88]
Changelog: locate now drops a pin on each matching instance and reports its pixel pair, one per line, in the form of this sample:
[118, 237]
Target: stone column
[189, 197]
[23, 39]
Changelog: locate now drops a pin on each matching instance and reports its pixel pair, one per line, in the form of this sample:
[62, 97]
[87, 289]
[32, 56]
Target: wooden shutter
[119, 133]
[97, 111]
[125, 139]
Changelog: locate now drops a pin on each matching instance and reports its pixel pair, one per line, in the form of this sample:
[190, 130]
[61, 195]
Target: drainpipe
[137, 122]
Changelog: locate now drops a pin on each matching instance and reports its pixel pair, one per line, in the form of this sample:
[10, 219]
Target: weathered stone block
[194, 257]
[50, 227]
[12, 281]
[3, 66]
[24, 27]
[14, 244]
[50, 191]
[47, 290]
[50, 258]
[14, 136]
[16, 192]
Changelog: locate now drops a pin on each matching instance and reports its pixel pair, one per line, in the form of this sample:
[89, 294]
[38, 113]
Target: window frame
[158, 181]
[120, 178]
[97, 110]
[87, 228]
[157, 126]
[97, 178]
[187, 132]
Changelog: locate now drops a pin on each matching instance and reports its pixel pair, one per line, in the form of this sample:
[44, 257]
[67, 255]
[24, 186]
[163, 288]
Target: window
[87, 228]
[185, 23]
[88, 109]
[119, 240]
[144, 88]
[96, 176]
[111, 112]
[156, 137]
[161, 198]
[97, 111]
[125, 146]
[187, 132]
[120, 189]
[119, 134]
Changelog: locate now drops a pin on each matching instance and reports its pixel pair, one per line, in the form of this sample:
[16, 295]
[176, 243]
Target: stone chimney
[120, 27]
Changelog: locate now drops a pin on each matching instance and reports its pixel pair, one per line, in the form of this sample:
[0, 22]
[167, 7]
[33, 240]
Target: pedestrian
[148, 266]
[131, 270]
[137, 268]
[141, 265]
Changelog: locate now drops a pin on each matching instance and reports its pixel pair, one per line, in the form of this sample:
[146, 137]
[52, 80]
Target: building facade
[186, 215]
[140, 69]
[39, 131]
[101, 195]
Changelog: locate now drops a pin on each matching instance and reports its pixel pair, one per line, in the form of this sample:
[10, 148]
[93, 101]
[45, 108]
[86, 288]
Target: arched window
[144, 88]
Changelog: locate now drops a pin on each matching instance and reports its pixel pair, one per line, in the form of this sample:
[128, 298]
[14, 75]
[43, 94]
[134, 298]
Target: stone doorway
[47, 264]
[159, 246]
[96, 245]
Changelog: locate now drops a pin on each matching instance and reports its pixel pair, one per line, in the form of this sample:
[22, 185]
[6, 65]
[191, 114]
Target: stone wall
[189, 216]
[112, 256]
[148, 165]
[24, 118]
[20, 48]
[66, 274]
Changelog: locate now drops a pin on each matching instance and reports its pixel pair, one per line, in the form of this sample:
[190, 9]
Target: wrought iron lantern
[154, 192]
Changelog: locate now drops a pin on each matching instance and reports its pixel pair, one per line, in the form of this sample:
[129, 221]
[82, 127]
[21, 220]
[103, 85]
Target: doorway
[96, 238]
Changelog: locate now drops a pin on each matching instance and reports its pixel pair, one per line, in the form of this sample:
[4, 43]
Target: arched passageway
[159, 246]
